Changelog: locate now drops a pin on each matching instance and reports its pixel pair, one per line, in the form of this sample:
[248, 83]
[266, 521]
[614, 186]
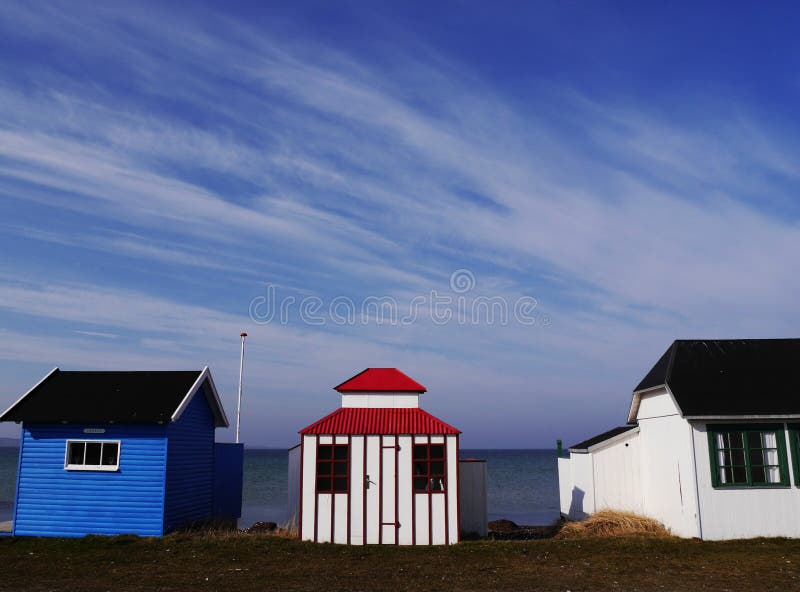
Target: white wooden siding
[565, 484]
[309, 488]
[452, 490]
[294, 488]
[617, 475]
[373, 493]
[656, 404]
[667, 471]
[381, 400]
[421, 523]
[747, 512]
[388, 492]
[579, 494]
[405, 492]
[357, 490]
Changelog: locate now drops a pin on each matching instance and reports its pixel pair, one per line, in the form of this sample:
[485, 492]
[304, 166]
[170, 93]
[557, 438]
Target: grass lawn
[263, 562]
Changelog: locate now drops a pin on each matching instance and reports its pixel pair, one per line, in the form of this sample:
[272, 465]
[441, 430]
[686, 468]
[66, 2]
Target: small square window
[333, 468]
[429, 468]
[92, 455]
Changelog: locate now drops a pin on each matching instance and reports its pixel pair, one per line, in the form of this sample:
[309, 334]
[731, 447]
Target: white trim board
[204, 374]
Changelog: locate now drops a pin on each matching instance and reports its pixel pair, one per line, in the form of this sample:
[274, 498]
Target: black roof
[106, 397]
[602, 437]
[730, 376]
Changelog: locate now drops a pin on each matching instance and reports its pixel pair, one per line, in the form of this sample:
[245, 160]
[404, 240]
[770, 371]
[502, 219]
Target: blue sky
[631, 168]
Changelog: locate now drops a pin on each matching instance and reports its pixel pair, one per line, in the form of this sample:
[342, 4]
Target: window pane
[324, 451]
[323, 468]
[771, 457]
[110, 453]
[725, 475]
[730, 440]
[420, 451]
[323, 484]
[93, 453]
[76, 453]
[421, 468]
[340, 468]
[739, 475]
[420, 483]
[773, 475]
[437, 484]
[756, 457]
[340, 452]
[737, 457]
[724, 458]
[437, 468]
[437, 451]
[759, 475]
[340, 484]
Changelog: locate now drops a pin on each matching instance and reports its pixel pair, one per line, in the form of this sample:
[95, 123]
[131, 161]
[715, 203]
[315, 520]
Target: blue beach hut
[122, 452]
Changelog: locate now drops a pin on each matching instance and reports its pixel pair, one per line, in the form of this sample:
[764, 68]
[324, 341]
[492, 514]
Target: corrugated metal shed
[379, 421]
[381, 379]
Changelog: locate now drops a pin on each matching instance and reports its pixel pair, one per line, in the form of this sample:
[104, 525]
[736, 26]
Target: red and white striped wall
[388, 498]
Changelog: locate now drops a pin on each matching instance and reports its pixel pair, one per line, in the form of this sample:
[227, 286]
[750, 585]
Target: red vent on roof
[359, 420]
[381, 379]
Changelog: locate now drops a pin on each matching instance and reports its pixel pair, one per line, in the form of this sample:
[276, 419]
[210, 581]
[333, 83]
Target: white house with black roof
[711, 448]
[122, 452]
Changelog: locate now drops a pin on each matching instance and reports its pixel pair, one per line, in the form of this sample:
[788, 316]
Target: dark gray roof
[105, 397]
[730, 376]
[602, 437]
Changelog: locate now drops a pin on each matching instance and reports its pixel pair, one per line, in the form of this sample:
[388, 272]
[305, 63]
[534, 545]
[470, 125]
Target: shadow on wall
[576, 505]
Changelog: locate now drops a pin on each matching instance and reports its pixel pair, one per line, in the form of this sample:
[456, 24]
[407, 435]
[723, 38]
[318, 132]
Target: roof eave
[608, 442]
[220, 419]
[30, 390]
[760, 417]
[372, 390]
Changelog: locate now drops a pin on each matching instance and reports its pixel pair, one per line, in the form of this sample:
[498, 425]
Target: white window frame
[85, 467]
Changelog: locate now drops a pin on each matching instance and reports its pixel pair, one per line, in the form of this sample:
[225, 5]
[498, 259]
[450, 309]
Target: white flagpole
[239, 404]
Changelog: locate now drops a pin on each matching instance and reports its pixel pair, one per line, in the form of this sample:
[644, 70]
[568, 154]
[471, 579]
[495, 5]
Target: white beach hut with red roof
[378, 470]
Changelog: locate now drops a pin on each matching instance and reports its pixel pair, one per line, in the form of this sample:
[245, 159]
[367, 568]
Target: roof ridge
[385, 379]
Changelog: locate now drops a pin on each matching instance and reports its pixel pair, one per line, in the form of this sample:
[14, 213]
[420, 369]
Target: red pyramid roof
[360, 421]
[381, 379]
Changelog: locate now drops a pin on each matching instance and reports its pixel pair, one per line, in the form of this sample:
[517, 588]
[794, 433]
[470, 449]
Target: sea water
[522, 485]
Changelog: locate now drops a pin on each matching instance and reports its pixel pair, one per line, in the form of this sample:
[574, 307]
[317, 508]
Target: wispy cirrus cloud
[155, 199]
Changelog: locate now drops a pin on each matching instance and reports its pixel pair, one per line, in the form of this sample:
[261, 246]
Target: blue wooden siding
[228, 478]
[190, 466]
[52, 501]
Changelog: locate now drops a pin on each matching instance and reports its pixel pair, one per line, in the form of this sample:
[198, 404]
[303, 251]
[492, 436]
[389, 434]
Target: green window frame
[794, 446]
[748, 455]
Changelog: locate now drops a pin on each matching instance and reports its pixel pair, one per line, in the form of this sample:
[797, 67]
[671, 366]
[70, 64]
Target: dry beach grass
[612, 523]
